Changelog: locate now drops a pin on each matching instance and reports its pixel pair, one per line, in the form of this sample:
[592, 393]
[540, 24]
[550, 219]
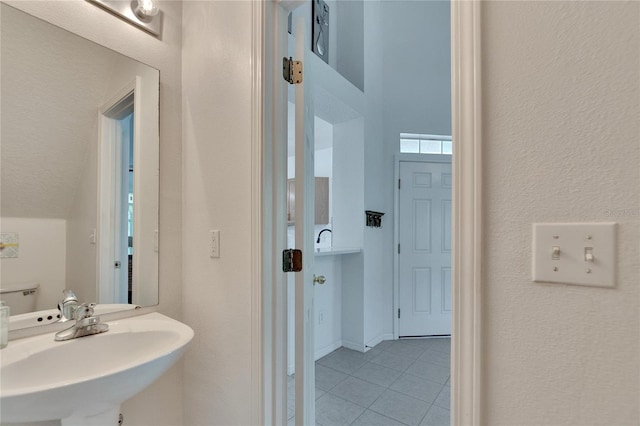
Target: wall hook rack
[374, 219]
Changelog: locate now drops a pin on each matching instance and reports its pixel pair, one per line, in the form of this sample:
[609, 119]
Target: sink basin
[83, 381]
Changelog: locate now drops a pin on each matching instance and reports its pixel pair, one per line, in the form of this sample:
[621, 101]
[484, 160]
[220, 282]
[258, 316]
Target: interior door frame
[405, 158]
[268, 363]
[109, 280]
[466, 253]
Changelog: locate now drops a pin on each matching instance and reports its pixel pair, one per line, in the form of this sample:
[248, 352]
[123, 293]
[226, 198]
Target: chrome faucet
[68, 305]
[320, 234]
[86, 324]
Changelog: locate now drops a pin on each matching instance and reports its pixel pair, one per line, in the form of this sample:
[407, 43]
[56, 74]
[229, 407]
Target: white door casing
[424, 258]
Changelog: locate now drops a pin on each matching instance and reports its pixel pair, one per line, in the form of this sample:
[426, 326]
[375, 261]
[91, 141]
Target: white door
[424, 258]
[304, 220]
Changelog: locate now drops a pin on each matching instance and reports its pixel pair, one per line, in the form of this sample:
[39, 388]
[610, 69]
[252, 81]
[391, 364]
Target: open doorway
[387, 99]
[466, 219]
[117, 209]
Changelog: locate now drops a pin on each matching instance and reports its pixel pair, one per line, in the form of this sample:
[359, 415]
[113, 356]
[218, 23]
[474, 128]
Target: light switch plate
[214, 243]
[570, 265]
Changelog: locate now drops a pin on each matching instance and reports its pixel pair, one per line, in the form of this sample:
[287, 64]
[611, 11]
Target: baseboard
[319, 354]
[373, 342]
[353, 346]
[328, 349]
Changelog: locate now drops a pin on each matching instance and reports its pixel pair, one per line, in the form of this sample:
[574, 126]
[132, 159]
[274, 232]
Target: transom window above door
[411, 143]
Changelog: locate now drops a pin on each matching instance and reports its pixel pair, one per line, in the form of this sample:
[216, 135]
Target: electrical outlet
[214, 243]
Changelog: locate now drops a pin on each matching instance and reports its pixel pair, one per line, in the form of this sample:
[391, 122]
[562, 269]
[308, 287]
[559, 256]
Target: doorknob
[319, 279]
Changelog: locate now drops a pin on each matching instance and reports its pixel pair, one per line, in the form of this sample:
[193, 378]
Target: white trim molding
[467, 213]
[257, 137]
[274, 175]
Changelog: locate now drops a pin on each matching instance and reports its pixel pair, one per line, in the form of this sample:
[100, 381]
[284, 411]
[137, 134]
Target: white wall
[95, 24]
[348, 183]
[561, 101]
[349, 40]
[416, 68]
[82, 218]
[41, 257]
[378, 192]
[217, 195]
[328, 305]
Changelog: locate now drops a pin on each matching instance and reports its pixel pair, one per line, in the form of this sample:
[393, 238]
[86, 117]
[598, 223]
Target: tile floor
[399, 382]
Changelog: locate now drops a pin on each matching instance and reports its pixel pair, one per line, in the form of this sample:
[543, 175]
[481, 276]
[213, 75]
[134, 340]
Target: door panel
[422, 290]
[425, 249]
[304, 220]
[421, 225]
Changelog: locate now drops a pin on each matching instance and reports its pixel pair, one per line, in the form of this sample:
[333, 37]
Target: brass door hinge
[291, 260]
[292, 70]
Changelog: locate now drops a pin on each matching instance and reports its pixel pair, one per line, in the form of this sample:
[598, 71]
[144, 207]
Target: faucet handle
[84, 311]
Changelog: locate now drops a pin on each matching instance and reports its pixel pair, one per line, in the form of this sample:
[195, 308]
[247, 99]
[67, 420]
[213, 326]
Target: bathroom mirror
[79, 165]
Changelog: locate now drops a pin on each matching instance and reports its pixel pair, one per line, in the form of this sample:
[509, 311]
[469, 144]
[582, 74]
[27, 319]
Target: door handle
[320, 279]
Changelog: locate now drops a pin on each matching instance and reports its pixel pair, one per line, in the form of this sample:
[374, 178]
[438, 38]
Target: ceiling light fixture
[146, 9]
[144, 14]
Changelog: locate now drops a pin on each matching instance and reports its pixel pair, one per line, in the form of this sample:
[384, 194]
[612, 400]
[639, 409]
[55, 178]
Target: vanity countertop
[332, 251]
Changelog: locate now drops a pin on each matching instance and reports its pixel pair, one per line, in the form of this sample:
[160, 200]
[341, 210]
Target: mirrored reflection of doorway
[117, 206]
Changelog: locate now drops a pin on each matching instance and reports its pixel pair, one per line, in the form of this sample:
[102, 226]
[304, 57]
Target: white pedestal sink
[83, 381]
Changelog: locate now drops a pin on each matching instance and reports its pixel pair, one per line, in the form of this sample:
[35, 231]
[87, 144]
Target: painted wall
[348, 183]
[378, 187]
[328, 305]
[41, 257]
[164, 54]
[349, 41]
[217, 195]
[417, 94]
[561, 101]
[82, 218]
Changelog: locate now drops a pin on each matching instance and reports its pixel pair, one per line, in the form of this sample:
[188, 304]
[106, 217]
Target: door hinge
[292, 70]
[398, 312]
[399, 180]
[291, 260]
[398, 248]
